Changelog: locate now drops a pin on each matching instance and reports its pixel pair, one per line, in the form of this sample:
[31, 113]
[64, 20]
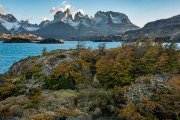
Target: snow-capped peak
[28, 26]
[9, 22]
[111, 17]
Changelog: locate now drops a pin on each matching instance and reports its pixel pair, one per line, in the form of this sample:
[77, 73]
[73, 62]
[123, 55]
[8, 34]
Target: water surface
[13, 52]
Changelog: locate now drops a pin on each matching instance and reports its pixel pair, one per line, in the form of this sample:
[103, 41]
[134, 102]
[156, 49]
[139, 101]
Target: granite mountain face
[4, 30]
[104, 23]
[9, 24]
[165, 29]
[28, 26]
[65, 25]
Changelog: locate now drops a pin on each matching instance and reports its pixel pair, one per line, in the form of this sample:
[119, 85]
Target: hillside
[135, 81]
[165, 29]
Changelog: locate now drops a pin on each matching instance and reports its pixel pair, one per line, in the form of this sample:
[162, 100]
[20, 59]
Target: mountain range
[65, 25]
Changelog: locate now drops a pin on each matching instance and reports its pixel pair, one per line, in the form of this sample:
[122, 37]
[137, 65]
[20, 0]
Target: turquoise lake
[13, 52]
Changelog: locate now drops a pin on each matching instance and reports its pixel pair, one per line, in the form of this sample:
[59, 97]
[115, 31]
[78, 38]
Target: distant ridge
[165, 29]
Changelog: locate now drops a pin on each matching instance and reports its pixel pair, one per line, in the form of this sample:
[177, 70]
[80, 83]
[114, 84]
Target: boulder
[97, 112]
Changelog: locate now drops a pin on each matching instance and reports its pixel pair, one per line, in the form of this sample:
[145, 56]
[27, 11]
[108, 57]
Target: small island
[50, 41]
[17, 40]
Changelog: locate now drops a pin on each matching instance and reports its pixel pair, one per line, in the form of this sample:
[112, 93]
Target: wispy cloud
[3, 8]
[79, 10]
[65, 5]
[44, 19]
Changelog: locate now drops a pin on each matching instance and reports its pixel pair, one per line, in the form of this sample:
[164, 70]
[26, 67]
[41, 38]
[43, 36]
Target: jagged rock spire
[61, 16]
[86, 16]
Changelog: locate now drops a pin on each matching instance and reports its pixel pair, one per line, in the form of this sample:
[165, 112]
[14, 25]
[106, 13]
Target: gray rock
[111, 108]
[97, 112]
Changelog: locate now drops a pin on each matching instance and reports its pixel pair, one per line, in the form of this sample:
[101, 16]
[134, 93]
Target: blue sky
[139, 11]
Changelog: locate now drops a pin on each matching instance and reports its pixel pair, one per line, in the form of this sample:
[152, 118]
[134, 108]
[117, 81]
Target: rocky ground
[75, 103]
[48, 62]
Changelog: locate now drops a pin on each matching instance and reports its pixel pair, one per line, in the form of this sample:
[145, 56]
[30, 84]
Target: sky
[139, 12]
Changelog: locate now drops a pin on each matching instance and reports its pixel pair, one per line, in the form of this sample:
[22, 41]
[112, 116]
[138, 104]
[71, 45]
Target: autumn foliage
[122, 65]
[67, 75]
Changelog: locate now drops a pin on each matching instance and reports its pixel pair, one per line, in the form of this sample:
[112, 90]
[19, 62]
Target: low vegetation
[135, 81]
[17, 40]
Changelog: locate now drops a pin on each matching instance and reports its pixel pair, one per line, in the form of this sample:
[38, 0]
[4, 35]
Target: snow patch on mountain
[10, 25]
[115, 20]
[72, 23]
[31, 28]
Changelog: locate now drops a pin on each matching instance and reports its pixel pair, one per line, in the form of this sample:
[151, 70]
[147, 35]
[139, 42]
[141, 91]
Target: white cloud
[54, 10]
[80, 10]
[2, 8]
[65, 5]
[64, 2]
[44, 19]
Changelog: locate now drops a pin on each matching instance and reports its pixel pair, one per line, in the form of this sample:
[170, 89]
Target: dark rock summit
[113, 22]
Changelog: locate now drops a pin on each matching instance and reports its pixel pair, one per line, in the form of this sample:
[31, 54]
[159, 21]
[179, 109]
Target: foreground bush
[152, 97]
[67, 75]
[11, 88]
[53, 83]
[122, 65]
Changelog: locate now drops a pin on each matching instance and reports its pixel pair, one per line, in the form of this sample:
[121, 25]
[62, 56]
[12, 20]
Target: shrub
[152, 97]
[53, 83]
[123, 64]
[35, 92]
[116, 71]
[10, 89]
[101, 98]
[74, 70]
[33, 72]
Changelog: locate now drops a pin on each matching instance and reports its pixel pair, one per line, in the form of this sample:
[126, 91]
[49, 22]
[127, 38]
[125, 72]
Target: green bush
[59, 83]
[33, 72]
[10, 89]
[35, 92]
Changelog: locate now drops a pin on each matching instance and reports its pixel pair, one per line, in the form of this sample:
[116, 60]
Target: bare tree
[101, 48]
[79, 47]
[44, 51]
